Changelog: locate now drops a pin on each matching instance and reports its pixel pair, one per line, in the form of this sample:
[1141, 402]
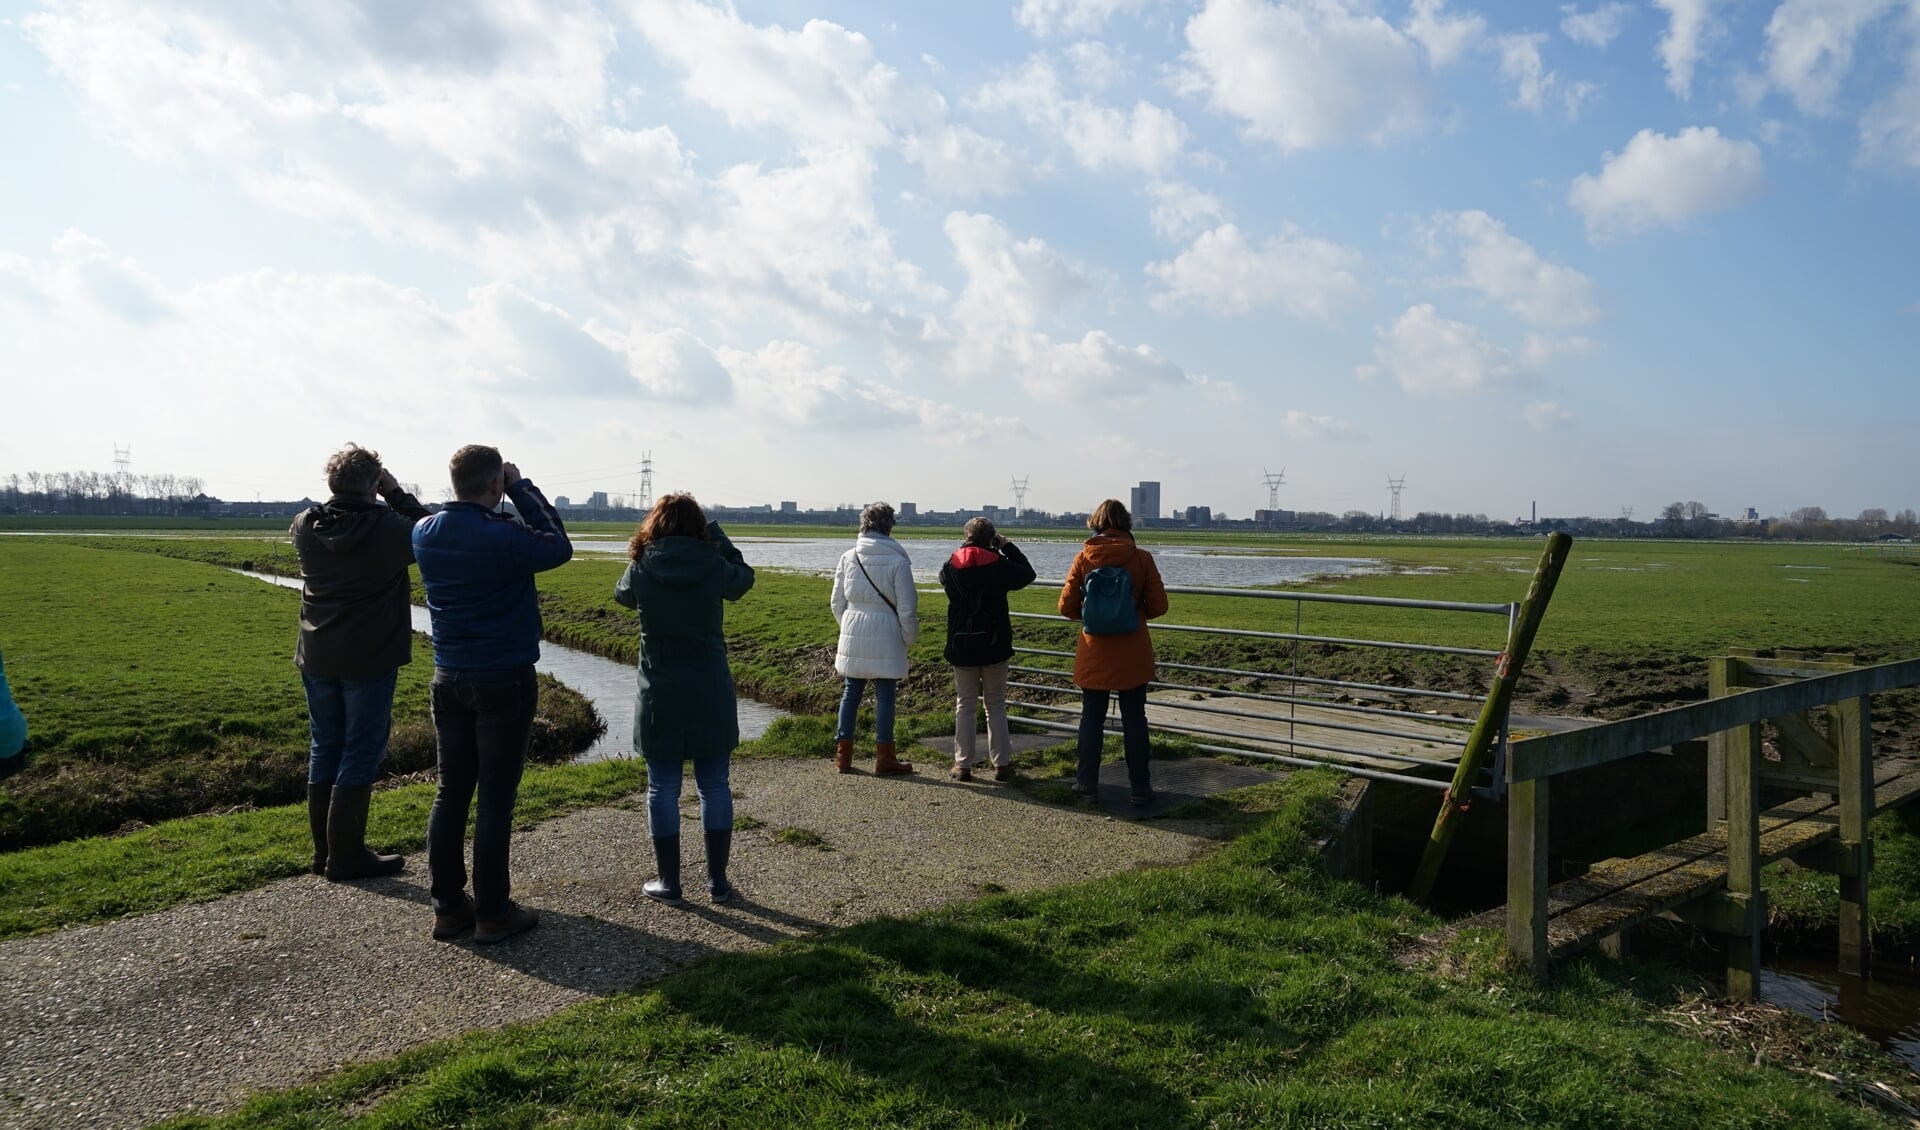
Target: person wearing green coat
[683, 568]
[13, 730]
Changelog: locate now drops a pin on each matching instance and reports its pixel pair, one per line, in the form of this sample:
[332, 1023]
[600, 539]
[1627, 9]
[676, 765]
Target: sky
[1586, 257]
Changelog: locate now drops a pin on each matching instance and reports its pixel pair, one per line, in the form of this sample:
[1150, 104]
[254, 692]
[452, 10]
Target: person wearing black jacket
[977, 579]
[355, 632]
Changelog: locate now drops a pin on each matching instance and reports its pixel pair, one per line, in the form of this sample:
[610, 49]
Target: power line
[646, 481]
[1274, 483]
[1019, 496]
[1396, 485]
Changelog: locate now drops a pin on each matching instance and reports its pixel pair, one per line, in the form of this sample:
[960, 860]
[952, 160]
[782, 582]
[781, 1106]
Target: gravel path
[192, 1009]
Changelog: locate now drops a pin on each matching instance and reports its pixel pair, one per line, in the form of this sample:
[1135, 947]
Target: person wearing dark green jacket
[683, 569]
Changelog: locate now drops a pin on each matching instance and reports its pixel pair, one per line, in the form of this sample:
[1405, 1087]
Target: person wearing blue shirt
[478, 567]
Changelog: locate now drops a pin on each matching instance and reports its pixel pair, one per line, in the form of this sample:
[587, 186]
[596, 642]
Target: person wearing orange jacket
[1118, 664]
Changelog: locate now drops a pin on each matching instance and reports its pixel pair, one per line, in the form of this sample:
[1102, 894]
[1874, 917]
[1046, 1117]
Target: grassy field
[157, 688]
[1245, 990]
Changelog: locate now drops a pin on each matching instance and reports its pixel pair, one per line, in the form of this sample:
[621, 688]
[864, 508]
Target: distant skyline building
[597, 500]
[1144, 501]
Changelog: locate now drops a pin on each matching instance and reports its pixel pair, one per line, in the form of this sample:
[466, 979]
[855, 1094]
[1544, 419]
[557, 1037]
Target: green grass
[157, 688]
[802, 837]
[1245, 990]
[1803, 906]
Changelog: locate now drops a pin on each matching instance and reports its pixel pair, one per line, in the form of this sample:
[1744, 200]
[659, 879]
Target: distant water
[609, 685]
[1201, 565]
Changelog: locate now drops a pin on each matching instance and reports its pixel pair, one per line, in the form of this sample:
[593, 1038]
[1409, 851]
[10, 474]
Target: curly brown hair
[675, 515]
[353, 470]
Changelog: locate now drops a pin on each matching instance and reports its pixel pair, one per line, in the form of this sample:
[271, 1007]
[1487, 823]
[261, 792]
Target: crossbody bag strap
[876, 588]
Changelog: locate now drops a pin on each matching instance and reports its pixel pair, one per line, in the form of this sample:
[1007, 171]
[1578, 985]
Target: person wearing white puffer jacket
[879, 615]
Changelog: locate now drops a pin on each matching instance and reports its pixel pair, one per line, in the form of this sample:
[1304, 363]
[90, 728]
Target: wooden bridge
[1713, 879]
[1815, 758]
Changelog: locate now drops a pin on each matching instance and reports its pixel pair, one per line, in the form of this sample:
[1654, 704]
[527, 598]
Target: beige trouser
[972, 683]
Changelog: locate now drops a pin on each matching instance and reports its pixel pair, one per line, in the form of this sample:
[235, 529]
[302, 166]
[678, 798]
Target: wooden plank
[1626, 892]
[1744, 951]
[1572, 932]
[1552, 754]
[1851, 725]
[1611, 876]
[1527, 876]
[1723, 675]
[1798, 737]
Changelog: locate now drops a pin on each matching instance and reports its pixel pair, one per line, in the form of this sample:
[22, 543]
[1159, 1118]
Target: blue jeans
[882, 709]
[1133, 736]
[482, 721]
[349, 720]
[663, 794]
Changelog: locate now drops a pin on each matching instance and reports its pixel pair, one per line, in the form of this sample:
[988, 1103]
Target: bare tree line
[98, 492]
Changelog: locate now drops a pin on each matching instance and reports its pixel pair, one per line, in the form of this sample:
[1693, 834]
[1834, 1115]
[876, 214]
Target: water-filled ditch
[608, 684]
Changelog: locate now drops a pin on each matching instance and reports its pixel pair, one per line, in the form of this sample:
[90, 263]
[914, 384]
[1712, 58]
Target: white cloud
[1434, 356]
[1593, 29]
[1070, 17]
[84, 272]
[1508, 270]
[1181, 210]
[820, 84]
[1095, 64]
[963, 162]
[1445, 37]
[786, 381]
[1890, 129]
[1520, 65]
[1148, 138]
[1013, 287]
[1308, 428]
[1225, 275]
[1306, 75]
[1010, 282]
[1546, 415]
[1810, 47]
[1662, 180]
[1690, 25]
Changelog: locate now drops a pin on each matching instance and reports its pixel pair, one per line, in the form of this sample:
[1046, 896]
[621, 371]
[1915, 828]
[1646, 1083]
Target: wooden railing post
[1744, 896]
[1850, 728]
[1723, 676]
[1527, 875]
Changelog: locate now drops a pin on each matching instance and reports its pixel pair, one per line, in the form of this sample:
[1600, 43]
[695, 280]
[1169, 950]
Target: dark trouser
[349, 720]
[1133, 735]
[482, 721]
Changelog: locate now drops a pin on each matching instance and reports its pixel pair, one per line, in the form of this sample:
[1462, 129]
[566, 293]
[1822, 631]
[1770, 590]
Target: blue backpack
[1108, 607]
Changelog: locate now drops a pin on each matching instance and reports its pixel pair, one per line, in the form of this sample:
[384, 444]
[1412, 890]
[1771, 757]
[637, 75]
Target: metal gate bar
[1280, 719]
[1297, 743]
[1303, 762]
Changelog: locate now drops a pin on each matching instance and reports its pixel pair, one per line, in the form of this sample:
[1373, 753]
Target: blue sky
[1589, 255]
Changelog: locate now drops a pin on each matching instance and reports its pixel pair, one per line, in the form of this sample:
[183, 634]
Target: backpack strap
[876, 588]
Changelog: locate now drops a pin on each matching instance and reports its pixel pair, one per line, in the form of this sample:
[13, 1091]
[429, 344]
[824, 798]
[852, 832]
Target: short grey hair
[353, 470]
[980, 532]
[877, 517]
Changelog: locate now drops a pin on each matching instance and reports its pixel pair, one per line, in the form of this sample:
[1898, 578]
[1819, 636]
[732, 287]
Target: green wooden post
[1493, 715]
[1527, 876]
[1743, 863]
[1850, 727]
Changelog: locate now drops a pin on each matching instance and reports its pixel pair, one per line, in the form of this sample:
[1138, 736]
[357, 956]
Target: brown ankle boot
[843, 755]
[885, 764]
